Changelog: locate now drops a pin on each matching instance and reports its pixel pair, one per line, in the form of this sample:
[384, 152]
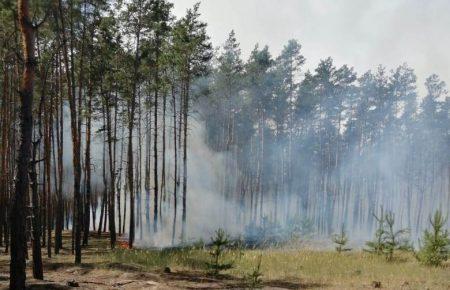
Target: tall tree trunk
[36, 234]
[155, 159]
[175, 150]
[47, 165]
[87, 161]
[60, 144]
[164, 141]
[105, 182]
[70, 75]
[131, 105]
[18, 219]
[111, 209]
[185, 128]
[119, 177]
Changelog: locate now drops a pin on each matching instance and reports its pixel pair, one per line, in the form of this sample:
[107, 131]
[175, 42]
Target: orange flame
[123, 245]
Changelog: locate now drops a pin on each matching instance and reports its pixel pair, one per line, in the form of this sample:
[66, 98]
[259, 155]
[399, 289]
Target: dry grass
[319, 269]
[281, 268]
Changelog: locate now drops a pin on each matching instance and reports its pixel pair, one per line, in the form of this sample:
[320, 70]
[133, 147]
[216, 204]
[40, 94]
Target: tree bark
[132, 105]
[18, 219]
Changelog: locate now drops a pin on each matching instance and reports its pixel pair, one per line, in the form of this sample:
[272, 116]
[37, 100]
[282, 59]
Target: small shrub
[436, 247]
[393, 240]
[239, 246]
[341, 241]
[387, 239]
[268, 233]
[377, 245]
[254, 278]
[300, 227]
[198, 245]
[219, 244]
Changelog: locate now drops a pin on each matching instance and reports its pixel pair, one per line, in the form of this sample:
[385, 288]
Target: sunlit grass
[327, 268]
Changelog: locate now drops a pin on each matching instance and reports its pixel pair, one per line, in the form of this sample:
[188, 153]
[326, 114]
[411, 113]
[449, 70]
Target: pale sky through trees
[360, 33]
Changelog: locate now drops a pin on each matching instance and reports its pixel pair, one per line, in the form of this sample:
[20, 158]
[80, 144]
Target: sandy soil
[97, 273]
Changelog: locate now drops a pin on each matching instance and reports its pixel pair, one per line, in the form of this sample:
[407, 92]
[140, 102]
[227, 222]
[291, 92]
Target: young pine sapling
[254, 278]
[219, 244]
[387, 239]
[341, 241]
[393, 240]
[436, 242]
[376, 246]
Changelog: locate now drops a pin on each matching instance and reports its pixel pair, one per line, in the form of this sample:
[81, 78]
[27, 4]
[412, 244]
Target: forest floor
[187, 268]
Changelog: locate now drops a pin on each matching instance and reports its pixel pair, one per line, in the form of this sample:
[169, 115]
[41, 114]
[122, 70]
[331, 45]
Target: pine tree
[341, 241]
[436, 242]
[377, 245]
[393, 239]
[220, 242]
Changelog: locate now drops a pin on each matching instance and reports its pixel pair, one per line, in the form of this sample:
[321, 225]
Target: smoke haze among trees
[130, 122]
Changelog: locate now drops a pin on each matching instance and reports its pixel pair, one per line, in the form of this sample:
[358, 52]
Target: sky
[360, 33]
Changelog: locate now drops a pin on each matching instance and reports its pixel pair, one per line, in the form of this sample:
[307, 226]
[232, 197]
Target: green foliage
[239, 246]
[377, 245]
[198, 245]
[301, 227]
[436, 247]
[393, 240]
[387, 240]
[341, 240]
[270, 233]
[219, 244]
[254, 278]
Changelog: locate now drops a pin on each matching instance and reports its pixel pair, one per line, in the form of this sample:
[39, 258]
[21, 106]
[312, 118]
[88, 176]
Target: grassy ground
[301, 268]
[280, 268]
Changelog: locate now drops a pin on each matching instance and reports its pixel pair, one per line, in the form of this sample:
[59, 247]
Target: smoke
[406, 176]
[207, 209]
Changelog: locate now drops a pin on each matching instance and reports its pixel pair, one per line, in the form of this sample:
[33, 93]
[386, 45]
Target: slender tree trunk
[111, 209]
[131, 105]
[60, 144]
[47, 165]
[119, 179]
[185, 128]
[147, 171]
[36, 234]
[163, 165]
[74, 130]
[175, 150]
[155, 160]
[87, 161]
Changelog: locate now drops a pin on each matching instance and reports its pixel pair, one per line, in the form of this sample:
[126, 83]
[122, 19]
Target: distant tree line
[328, 145]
